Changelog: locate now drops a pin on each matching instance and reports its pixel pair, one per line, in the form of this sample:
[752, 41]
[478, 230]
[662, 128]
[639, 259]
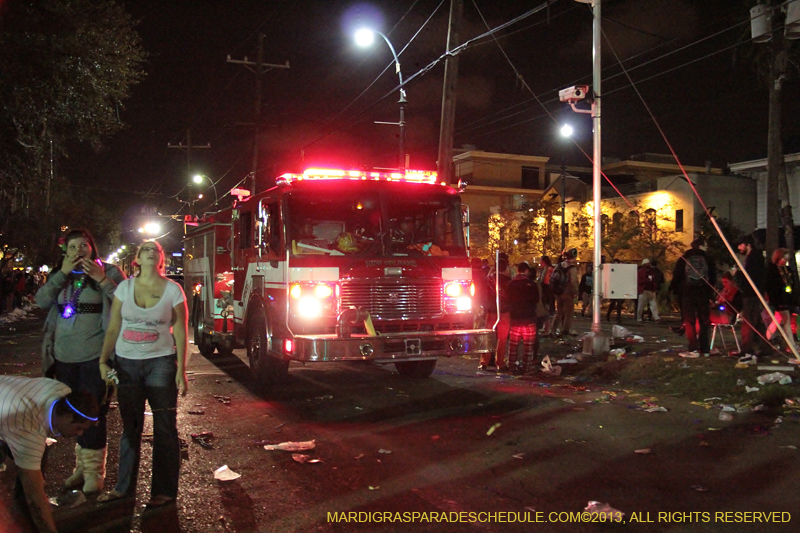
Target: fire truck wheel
[416, 369]
[266, 369]
[203, 341]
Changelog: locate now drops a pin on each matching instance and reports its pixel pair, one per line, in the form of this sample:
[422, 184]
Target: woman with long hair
[148, 332]
[78, 295]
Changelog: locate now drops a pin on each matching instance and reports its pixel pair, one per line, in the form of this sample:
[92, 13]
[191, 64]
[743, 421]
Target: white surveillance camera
[573, 94]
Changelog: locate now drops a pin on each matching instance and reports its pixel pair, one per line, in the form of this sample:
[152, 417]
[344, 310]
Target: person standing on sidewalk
[31, 411]
[752, 325]
[498, 279]
[523, 296]
[548, 298]
[782, 293]
[647, 285]
[78, 296]
[566, 299]
[696, 273]
[585, 288]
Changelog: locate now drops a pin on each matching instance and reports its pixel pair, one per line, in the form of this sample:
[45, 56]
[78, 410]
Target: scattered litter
[740, 382]
[636, 338]
[789, 447]
[779, 368]
[618, 353]
[748, 359]
[568, 400]
[728, 409]
[384, 451]
[326, 397]
[658, 409]
[70, 499]
[302, 458]
[643, 451]
[620, 332]
[224, 473]
[374, 488]
[725, 416]
[713, 398]
[518, 456]
[196, 412]
[292, 446]
[491, 429]
[700, 488]
[359, 456]
[568, 360]
[774, 377]
[204, 439]
[223, 399]
[778, 421]
[612, 515]
[751, 389]
[548, 368]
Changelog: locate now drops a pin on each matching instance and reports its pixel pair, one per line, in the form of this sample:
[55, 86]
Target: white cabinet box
[618, 281]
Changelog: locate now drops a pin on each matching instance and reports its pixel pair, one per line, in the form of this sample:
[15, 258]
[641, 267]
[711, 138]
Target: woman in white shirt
[148, 331]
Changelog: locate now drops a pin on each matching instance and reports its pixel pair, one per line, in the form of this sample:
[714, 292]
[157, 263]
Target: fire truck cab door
[256, 243]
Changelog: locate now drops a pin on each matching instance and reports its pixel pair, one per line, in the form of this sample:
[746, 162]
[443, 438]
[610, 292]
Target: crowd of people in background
[17, 288]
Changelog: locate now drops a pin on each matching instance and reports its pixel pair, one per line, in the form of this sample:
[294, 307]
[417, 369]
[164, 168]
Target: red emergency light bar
[414, 176]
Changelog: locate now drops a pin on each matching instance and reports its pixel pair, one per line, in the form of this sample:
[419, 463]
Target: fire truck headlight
[464, 303]
[453, 289]
[309, 307]
[296, 291]
[323, 291]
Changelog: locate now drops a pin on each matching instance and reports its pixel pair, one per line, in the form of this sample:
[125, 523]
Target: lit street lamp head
[197, 178]
[566, 130]
[364, 37]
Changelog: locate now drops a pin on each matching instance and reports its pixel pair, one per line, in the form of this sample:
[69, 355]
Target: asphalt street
[464, 450]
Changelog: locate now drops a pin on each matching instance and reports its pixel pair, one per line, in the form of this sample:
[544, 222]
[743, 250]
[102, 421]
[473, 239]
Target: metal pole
[596, 168]
[563, 203]
[402, 103]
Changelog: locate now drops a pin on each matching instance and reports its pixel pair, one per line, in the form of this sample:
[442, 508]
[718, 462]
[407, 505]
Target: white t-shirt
[26, 408]
[147, 333]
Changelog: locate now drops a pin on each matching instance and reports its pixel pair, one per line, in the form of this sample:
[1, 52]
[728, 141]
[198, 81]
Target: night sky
[706, 96]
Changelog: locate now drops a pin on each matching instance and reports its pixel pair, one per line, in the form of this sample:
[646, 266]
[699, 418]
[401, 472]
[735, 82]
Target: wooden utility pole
[258, 68]
[445, 160]
[188, 147]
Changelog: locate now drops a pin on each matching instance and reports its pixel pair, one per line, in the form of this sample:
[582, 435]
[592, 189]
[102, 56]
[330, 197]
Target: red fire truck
[334, 265]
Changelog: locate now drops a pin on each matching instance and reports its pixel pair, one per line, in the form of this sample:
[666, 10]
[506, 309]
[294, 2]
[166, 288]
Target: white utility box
[619, 281]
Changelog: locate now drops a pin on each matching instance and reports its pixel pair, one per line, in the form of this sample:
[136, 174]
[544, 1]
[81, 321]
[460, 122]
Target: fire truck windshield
[375, 219]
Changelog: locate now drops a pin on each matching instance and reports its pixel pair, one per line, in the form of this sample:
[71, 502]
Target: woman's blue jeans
[152, 380]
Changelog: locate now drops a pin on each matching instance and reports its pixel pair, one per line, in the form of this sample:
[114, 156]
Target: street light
[566, 133]
[365, 37]
[198, 178]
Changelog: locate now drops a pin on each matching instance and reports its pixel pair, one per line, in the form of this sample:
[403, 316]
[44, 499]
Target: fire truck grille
[394, 298]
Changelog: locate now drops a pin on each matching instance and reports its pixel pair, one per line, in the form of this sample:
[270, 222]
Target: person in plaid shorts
[523, 295]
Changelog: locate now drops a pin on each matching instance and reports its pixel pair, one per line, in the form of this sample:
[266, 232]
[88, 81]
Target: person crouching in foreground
[31, 411]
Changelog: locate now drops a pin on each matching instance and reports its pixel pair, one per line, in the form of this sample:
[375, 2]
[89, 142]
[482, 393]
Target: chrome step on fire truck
[334, 265]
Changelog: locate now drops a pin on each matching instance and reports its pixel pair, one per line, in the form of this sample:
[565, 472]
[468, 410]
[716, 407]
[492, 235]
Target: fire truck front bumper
[392, 347]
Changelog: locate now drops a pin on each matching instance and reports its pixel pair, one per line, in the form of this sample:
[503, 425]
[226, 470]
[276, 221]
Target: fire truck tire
[416, 369]
[202, 340]
[266, 369]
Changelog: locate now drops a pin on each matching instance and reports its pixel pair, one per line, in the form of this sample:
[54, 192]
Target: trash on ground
[620, 332]
[617, 353]
[775, 377]
[612, 515]
[789, 447]
[725, 416]
[223, 399]
[70, 499]
[751, 389]
[568, 360]
[302, 458]
[384, 451]
[518, 456]
[196, 412]
[778, 421]
[374, 488]
[224, 473]
[359, 456]
[643, 451]
[700, 488]
[292, 446]
[635, 338]
[779, 368]
[491, 429]
[548, 368]
[204, 439]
